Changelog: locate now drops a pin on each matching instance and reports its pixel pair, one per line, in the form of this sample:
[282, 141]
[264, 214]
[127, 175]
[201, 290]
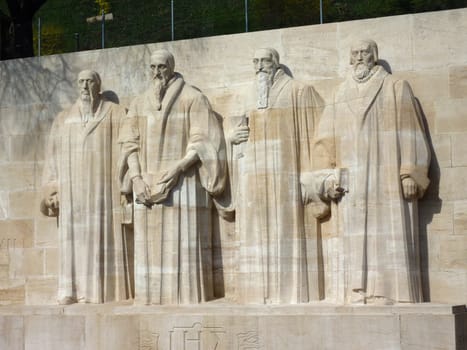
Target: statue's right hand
[239, 134]
[141, 190]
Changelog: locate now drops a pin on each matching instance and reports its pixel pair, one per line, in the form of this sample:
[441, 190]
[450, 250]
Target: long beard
[263, 85]
[160, 85]
[361, 71]
[87, 103]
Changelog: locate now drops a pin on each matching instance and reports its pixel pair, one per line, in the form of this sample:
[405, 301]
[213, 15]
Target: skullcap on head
[372, 45]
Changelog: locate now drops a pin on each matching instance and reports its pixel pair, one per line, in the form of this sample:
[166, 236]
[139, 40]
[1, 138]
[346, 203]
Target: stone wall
[429, 50]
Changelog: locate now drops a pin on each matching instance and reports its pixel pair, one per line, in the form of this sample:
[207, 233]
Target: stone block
[54, 332]
[3, 205]
[41, 291]
[225, 327]
[51, 261]
[4, 256]
[451, 115]
[443, 149]
[12, 331]
[453, 253]
[459, 146]
[11, 292]
[27, 262]
[417, 332]
[24, 204]
[17, 176]
[23, 118]
[453, 184]
[16, 234]
[448, 286]
[46, 233]
[25, 148]
[435, 43]
[4, 148]
[4, 272]
[460, 218]
[33, 263]
[315, 45]
[458, 81]
[119, 332]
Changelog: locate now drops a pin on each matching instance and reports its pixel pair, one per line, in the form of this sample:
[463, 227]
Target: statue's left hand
[52, 201]
[409, 187]
[170, 177]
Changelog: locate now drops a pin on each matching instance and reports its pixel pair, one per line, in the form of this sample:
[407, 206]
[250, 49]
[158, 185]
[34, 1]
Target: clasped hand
[168, 180]
[239, 134]
[170, 177]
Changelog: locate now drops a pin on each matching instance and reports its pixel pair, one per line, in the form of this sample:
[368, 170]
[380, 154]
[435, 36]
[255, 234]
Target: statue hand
[333, 190]
[142, 191]
[409, 188]
[170, 177]
[52, 201]
[239, 134]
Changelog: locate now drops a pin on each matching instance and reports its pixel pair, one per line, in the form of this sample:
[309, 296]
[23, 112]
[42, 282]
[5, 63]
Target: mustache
[159, 79]
[264, 71]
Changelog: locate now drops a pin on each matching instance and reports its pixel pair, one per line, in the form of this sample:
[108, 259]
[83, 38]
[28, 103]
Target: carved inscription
[249, 341]
[10, 243]
[149, 340]
[197, 337]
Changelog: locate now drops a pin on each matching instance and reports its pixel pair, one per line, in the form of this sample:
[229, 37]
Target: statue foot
[67, 301]
[383, 301]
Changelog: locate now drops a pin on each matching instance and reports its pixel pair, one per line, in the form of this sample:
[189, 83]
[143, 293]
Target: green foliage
[142, 21]
[103, 6]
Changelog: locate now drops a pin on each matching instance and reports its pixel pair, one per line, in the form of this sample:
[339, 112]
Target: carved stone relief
[271, 155]
[364, 161]
[374, 131]
[173, 159]
[79, 175]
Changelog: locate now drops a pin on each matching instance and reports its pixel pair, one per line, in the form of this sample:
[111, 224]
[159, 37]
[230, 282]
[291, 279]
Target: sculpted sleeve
[129, 140]
[414, 150]
[206, 138]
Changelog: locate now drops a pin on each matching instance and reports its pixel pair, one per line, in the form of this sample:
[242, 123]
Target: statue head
[89, 84]
[363, 58]
[162, 65]
[266, 60]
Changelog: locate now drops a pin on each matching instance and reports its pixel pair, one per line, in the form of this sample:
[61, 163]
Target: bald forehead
[159, 58]
[162, 57]
[87, 75]
[263, 53]
[361, 45]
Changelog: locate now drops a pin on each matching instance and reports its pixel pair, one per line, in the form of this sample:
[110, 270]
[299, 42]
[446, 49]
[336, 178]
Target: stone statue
[173, 157]
[274, 138]
[79, 187]
[374, 134]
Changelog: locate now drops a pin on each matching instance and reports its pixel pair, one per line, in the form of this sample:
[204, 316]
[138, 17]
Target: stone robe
[271, 219]
[173, 257]
[375, 131]
[80, 166]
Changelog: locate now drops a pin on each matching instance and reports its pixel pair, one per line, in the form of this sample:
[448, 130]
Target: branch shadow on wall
[30, 97]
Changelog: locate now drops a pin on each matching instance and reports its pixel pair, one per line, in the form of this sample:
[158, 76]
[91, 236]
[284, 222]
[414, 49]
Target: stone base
[221, 326]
